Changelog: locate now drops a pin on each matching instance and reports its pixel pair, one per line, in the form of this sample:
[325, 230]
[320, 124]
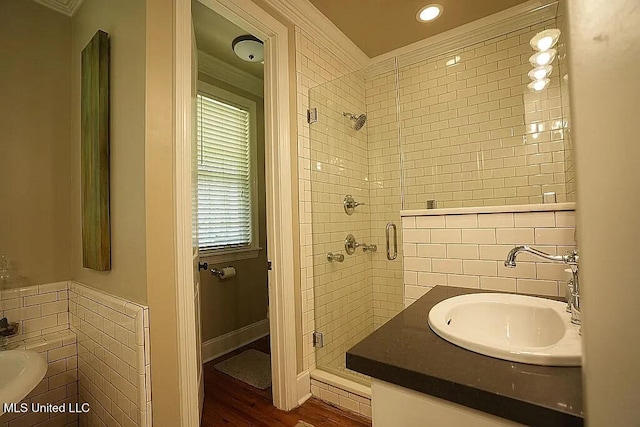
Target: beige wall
[161, 260]
[34, 142]
[604, 62]
[124, 20]
[228, 305]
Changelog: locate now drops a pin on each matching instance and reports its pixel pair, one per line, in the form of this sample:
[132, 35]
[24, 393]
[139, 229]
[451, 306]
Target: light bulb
[538, 85]
[545, 40]
[542, 58]
[429, 13]
[540, 73]
[453, 61]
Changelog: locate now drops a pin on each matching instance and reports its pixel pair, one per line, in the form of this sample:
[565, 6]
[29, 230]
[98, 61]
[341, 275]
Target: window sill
[215, 257]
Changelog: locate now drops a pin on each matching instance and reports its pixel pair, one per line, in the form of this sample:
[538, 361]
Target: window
[226, 158]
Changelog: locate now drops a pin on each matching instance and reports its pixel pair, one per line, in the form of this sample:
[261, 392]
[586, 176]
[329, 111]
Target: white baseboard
[233, 340]
[304, 387]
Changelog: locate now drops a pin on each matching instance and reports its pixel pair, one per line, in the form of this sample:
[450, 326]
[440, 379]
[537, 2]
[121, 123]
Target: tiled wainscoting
[468, 250]
[334, 390]
[96, 347]
[43, 314]
[113, 357]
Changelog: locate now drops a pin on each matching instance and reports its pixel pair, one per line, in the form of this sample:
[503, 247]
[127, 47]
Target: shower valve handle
[350, 204]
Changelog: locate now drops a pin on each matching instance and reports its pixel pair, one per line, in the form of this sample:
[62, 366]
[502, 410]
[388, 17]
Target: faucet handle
[569, 294]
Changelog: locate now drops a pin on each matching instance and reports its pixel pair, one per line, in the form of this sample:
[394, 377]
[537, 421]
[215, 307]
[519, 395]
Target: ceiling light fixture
[543, 58]
[429, 12]
[545, 40]
[248, 48]
[540, 73]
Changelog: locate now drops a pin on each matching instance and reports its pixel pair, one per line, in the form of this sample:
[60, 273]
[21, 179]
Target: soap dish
[8, 329]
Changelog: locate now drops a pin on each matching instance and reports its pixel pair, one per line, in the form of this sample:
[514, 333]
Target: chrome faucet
[570, 259]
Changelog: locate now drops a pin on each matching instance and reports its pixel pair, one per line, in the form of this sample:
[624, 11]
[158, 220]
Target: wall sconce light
[540, 73]
[542, 58]
[545, 40]
[538, 85]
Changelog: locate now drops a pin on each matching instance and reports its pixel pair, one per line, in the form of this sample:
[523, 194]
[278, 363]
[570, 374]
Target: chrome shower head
[360, 120]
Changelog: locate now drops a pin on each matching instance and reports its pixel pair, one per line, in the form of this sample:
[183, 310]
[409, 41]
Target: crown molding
[66, 7]
[306, 16]
[506, 21]
[229, 74]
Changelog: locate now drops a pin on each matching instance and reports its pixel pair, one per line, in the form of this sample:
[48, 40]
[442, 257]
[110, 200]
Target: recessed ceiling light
[429, 13]
[545, 40]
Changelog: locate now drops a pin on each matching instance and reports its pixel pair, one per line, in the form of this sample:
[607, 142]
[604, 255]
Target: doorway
[279, 176]
[231, 225]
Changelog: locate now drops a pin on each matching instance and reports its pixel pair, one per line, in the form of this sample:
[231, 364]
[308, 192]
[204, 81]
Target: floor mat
[251, 366]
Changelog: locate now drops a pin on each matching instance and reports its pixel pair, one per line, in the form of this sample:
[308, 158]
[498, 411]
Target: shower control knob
[350, 204]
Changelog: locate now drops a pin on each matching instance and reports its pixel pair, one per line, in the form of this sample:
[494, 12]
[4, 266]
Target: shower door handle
[391, 256]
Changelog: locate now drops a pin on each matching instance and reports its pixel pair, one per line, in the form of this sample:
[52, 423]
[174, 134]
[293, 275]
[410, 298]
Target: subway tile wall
[113, 357]
[42, 312]
[384, 192]
[39, 310]
[97, 350]
[563, 70]
[469, 251]
[345, 399]
[474, 135]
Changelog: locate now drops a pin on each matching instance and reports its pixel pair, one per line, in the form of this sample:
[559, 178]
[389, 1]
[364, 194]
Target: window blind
[224, 175]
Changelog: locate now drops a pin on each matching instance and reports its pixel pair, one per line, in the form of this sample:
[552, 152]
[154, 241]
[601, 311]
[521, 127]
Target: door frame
[280, 176]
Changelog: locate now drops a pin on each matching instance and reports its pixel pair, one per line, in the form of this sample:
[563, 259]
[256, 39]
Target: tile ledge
[34, 343]
[339, 382]
[569, 206]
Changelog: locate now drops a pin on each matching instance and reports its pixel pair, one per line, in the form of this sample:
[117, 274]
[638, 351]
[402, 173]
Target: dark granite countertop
[406, 352]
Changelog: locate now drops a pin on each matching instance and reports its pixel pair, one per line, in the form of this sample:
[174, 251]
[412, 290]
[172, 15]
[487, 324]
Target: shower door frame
[280, 177]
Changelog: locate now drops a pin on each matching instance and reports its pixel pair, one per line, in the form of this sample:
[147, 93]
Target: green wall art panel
[94, 105]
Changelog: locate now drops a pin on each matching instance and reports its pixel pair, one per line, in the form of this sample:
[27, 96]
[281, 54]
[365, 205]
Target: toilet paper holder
[224, 273]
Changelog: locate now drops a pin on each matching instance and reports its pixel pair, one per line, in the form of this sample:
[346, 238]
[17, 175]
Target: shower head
[360, 120]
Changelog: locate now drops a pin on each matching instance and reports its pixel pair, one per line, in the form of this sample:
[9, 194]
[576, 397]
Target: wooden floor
[230, 402]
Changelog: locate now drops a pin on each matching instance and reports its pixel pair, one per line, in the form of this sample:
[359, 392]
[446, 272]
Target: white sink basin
[511, 327]
[20, 372]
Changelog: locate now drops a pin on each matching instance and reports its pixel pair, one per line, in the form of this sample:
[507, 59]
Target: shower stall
[443, 127]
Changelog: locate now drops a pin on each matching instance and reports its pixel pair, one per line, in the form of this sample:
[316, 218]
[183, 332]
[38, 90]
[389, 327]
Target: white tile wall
[60, 384]
[563, 72]
[97, 348]
[384, 191]
[113, 357]
[343, 398]
[471, 249]
[40, 310]
[474, 135]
